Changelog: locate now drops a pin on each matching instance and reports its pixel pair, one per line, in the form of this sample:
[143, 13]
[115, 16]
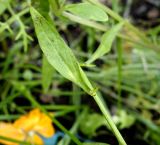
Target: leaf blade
[58, 54]
[106, 42]
[47, 74]
[87, 11]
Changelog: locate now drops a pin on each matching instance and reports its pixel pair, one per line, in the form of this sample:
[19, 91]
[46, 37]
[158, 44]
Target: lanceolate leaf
[58, 54]
[87, 11]
[106, 42]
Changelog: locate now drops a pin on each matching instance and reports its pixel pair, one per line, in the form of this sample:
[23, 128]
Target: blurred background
[128, 77]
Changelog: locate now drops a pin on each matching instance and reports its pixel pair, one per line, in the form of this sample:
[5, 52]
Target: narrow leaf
[106, 42]
[91, 122]
[87, 11]
[58, 54]
[47, 74]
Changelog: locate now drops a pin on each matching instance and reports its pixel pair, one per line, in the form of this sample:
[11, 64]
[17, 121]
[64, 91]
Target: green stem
[22, 31]
[13, 18]
[119, 50]
[14, 140]
[109, 120]
[74, 129]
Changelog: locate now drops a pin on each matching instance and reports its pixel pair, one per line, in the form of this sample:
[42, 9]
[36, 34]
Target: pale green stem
[13, 18]
[109, 120]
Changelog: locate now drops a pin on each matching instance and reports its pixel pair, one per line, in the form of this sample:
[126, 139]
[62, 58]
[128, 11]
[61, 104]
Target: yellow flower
[8, 130]
[26, 127]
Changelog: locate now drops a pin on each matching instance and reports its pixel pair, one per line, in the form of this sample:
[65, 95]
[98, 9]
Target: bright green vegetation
[56, 49]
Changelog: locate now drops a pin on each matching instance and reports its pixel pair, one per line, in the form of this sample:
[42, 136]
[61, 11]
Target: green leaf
[106, 42]
[95, 143]
[91, 122]
[47, 74]
[127, 120]
[124, 120]
[58, 54]
[55, 6]
[42, 6]
[3, 5]
[87, 11]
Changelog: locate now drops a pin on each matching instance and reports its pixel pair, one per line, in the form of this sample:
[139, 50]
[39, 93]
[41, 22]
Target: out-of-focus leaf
[3, 5]
[47, 74]
[62, 2]
[28, 75]
[87, 11]
[91, 123]
[124, 120]
[55, 6]
[58, 54]
[106, 42]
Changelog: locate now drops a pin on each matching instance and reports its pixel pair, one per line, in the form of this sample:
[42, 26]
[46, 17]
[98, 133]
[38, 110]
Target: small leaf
[87, 11]
[91, 123]
[47, 74]
[106, 42]
[58, 54]
[124, 119]
[3, 5]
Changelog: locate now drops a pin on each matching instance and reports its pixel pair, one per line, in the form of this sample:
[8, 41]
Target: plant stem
[14, 140]
[119, 51]
[109, 120]
[13, 18]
